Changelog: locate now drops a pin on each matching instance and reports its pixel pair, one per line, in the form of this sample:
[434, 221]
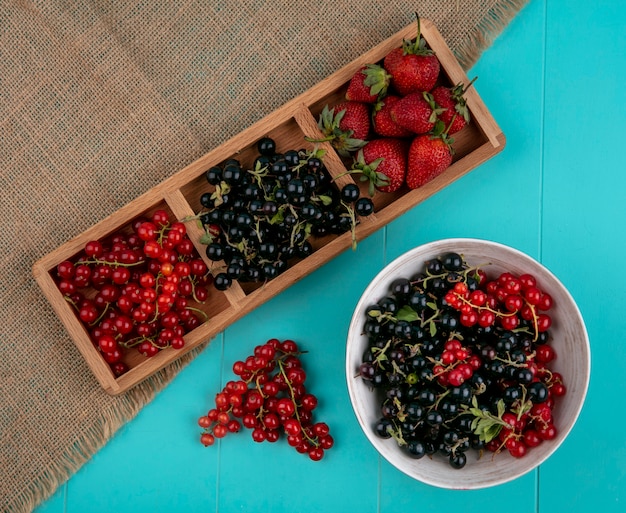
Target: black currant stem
[439, 398]
[350, 211]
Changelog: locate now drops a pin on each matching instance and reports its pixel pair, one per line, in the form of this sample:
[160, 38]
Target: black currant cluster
[446, 381]
[259, 221]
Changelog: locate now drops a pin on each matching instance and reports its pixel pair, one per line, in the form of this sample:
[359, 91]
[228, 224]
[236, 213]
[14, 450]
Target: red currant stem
[512, 434]
[535, 322]
[161, 233]
[484, 308]
[549, 381]
[281, 369]
[106, 262]
[193, 292]
[202, 312]
[133, 342]
[71, 301]
[156, 314]
[101, 316]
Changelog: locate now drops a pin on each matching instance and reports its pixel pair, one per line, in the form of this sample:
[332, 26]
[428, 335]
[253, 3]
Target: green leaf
[326, 200]
[206, 239]
[433, 328]
[501, 408]
[406, 313]
[277, 217]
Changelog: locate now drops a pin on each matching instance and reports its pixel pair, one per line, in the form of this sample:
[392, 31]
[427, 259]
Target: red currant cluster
[457, 364]
[139, 288]
[270, 399]
[519, 433]
[508, 300]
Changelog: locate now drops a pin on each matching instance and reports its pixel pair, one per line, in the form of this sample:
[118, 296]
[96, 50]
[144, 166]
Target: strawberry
[383, 163]
[346, 126]
[429, 156]
[382, 124]
[456, 113]
[416, 112]
[368, 84]
[413, 67]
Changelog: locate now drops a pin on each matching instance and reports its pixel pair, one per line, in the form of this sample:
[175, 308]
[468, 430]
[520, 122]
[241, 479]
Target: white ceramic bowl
[570, 341]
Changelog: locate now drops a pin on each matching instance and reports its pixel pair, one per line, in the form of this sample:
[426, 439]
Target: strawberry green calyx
[417, 46]
[457, 93]
[368, 173]
[440, 131]
[342, 140]
[377, 79]
[436, 109]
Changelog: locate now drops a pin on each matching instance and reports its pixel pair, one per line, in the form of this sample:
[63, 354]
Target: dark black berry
[266, 146]
[350, 193]
[364, 207]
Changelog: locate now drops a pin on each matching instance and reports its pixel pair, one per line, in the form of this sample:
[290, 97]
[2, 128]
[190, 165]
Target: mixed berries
[461, 361]
[138, 289]
[269, 397]
[261, 219]
[397, 118]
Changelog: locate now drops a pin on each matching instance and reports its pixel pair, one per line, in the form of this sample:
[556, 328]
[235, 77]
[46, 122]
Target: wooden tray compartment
[288, 125]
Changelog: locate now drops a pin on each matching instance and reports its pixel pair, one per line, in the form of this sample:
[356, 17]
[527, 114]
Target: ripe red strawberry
[416, 112]
[346, 126]
[451, 98]
[383, 162]
[429, 156]
[382, 124]
[368, 84]
[413, 66]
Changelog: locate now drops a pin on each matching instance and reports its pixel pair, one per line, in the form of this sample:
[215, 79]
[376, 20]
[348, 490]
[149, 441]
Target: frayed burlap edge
[96, 437]
[487, 31]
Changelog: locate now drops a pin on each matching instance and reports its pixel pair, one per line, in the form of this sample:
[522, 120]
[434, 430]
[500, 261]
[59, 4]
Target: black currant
[350, 193]
[222, 281]
[452, 261]
[416, 448]
[266, 146]
[213, 175]
[364, 207]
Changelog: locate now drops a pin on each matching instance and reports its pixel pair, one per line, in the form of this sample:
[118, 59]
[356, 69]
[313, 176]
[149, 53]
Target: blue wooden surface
[553, 81]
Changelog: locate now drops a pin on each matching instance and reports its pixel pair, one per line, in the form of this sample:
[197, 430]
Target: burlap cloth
[100, 101]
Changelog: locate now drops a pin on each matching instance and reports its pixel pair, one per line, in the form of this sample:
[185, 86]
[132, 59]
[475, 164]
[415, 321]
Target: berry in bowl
[467, 363]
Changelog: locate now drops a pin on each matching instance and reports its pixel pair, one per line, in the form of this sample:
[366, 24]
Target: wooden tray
[288, 126]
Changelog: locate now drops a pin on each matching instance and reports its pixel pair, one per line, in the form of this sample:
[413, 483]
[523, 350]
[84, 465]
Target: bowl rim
[436, 247]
